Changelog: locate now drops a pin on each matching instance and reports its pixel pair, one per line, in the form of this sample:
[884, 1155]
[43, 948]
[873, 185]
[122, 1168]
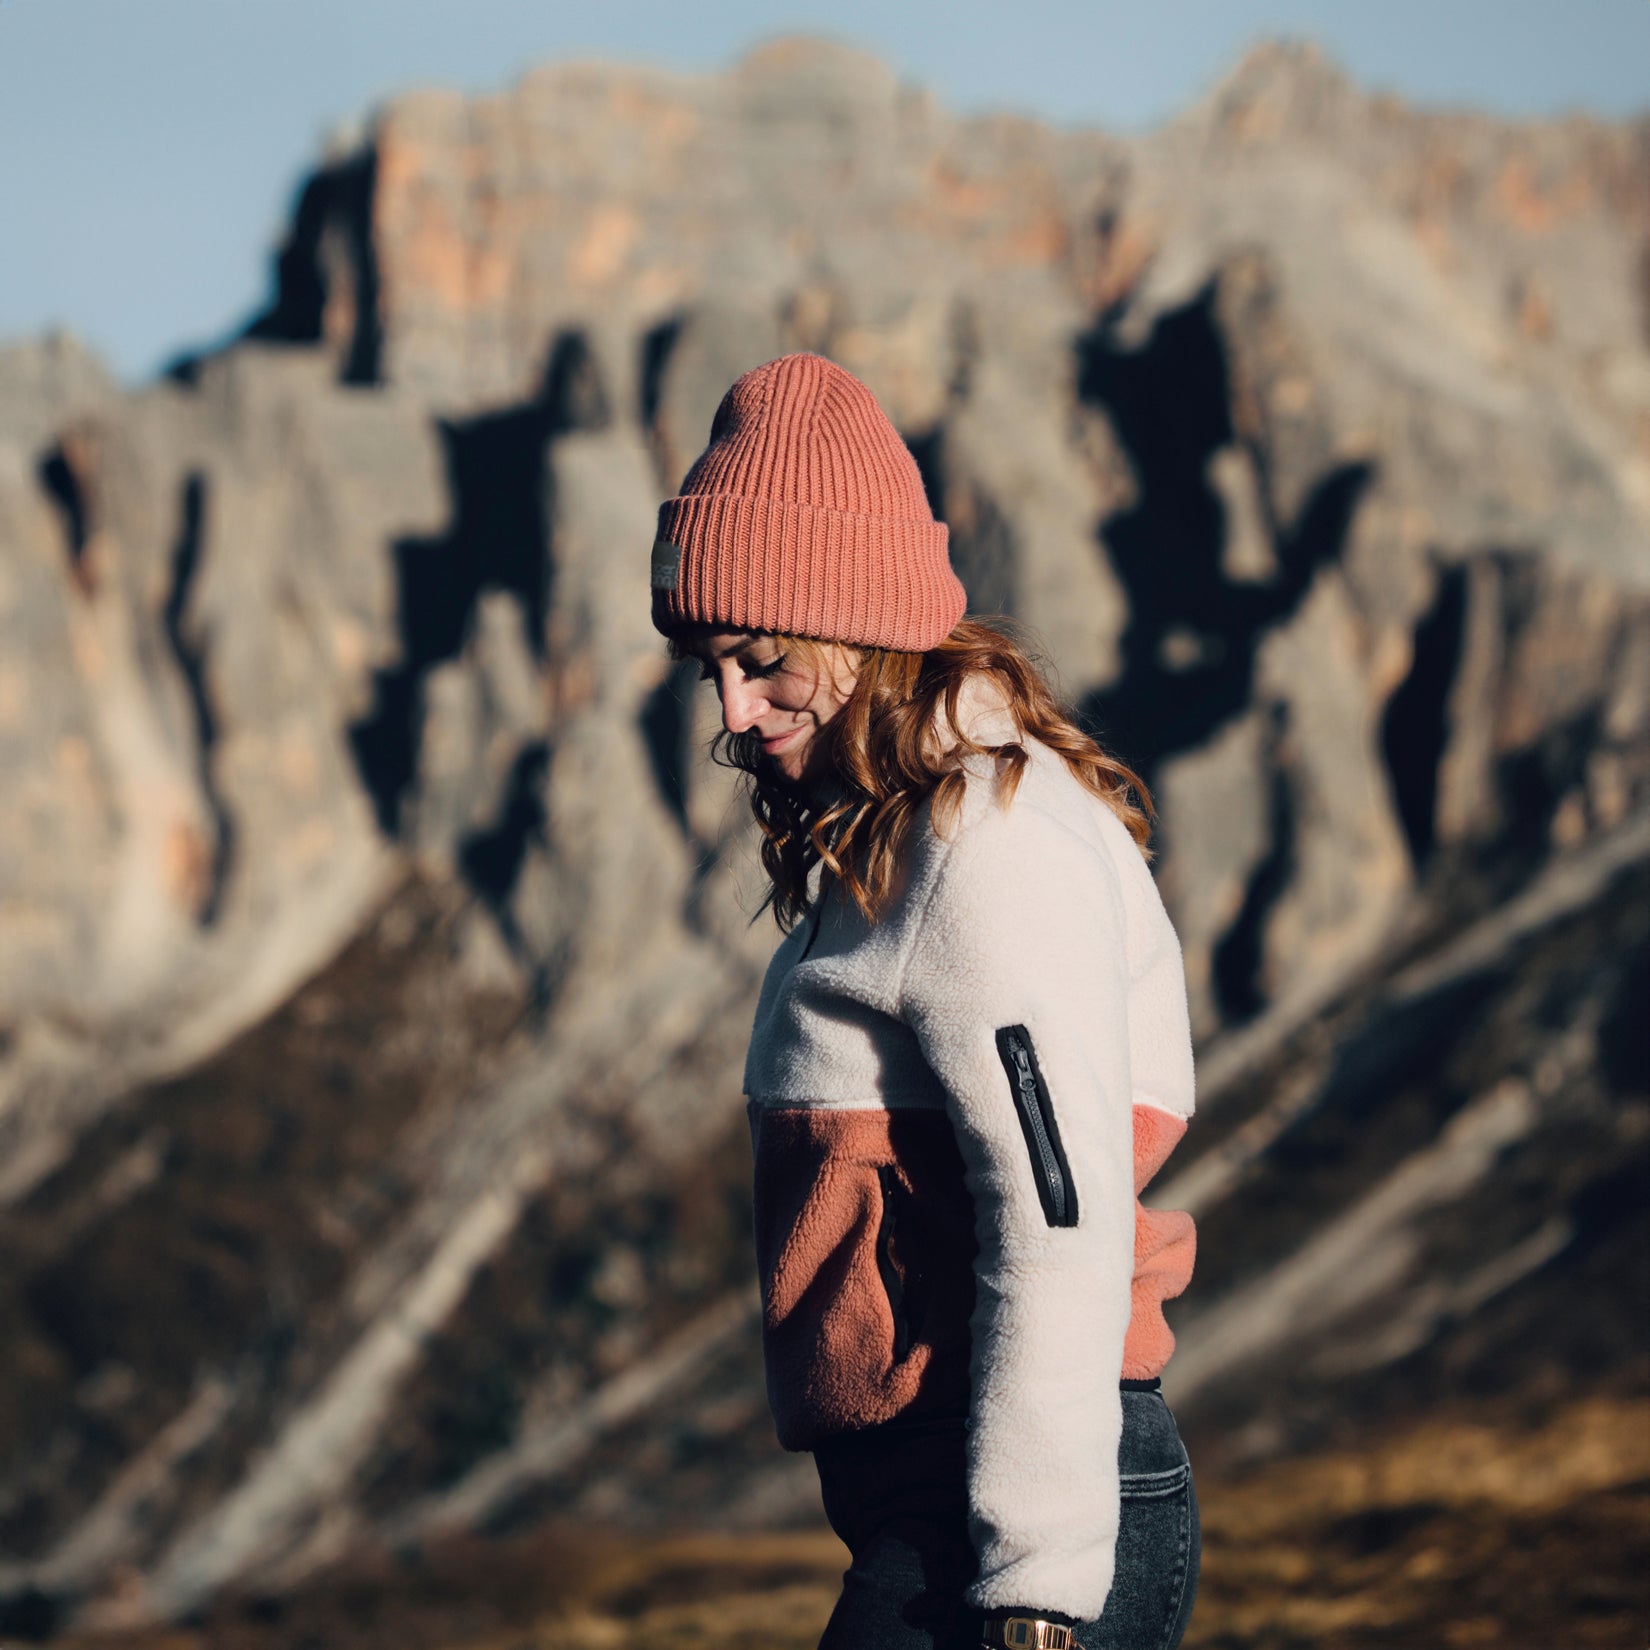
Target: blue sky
[149, 149]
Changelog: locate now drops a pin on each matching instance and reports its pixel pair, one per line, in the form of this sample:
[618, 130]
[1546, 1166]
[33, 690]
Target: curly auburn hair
[888, 765]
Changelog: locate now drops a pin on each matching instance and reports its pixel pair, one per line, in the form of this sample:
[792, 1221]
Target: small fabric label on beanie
[667, 564]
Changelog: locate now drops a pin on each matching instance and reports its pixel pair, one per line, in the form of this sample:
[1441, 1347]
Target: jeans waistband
[946, 1422]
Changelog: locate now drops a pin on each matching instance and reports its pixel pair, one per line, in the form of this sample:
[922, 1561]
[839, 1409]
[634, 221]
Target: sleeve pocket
[1032, 1105]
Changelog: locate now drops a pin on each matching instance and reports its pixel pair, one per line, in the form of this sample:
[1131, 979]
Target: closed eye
[753, 672]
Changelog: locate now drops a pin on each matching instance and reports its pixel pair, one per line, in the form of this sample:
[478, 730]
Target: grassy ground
[1458, 1532]
[1483, 1531]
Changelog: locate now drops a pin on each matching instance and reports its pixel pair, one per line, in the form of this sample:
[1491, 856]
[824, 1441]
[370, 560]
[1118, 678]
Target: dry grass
[1462, 1532]
[764, 1593]
[1454, 1533]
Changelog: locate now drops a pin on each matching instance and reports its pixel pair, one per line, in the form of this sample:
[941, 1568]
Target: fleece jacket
[953, 1111]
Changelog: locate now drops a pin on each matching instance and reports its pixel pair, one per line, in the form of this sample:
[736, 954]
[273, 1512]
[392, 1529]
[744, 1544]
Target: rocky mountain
[375, 954]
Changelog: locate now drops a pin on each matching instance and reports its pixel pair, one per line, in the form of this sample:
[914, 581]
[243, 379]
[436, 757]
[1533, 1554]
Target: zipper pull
[1022, 1064]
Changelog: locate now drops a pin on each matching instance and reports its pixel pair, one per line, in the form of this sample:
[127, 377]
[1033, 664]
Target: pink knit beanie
[805, 515]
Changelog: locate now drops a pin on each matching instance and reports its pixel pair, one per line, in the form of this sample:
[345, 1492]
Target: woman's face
[783, 702]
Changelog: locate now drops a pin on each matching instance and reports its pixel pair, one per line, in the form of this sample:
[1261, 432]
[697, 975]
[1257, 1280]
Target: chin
[792, 773]
[789, 765]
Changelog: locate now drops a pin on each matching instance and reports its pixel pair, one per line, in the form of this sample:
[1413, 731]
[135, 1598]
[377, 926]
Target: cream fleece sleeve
[1015, 981]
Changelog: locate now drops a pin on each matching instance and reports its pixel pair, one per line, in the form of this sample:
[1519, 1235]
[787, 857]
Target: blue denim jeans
[895, 1495]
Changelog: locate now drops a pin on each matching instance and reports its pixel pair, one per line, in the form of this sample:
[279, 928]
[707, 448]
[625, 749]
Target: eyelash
[754, 673]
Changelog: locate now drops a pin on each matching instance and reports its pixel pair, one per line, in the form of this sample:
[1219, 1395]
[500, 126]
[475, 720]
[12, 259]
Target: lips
[771, 747]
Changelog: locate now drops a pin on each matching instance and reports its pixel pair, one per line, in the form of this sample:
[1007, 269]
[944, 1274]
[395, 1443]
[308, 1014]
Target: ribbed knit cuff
[762, 564]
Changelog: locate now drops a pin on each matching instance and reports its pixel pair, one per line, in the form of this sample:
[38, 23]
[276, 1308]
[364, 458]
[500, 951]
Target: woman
[970, 1053]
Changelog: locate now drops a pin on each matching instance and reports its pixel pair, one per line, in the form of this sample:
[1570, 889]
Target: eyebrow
[736, 647]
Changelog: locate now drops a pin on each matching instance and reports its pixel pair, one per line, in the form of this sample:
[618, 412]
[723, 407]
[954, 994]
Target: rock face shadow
[58, 480]
[1235, 960]
[189, 654]
[984, 552]
[491, 859]
[666, 725]
[1415, 723]
[1192, 635]
[499, 480]
[1193, 632]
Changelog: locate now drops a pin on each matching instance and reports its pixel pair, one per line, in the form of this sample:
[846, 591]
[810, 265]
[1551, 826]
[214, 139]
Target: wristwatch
[1018, 1630]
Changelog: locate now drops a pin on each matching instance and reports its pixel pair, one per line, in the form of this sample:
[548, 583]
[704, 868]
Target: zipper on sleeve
[1036, 1113]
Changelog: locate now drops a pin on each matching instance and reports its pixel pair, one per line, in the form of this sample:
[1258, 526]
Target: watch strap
[1022, 1630]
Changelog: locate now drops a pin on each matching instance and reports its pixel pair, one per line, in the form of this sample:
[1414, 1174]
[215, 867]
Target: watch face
[1030, 1633]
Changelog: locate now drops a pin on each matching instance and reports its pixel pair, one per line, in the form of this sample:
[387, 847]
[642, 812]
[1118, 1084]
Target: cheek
[827, 702]
[788, 694]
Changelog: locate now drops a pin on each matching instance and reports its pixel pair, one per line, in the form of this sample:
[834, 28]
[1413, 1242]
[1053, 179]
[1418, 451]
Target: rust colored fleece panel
[865, 1247]
[1165, 1247]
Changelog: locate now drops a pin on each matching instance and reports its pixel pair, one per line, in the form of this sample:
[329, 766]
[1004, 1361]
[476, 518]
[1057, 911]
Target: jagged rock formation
[1311, 435]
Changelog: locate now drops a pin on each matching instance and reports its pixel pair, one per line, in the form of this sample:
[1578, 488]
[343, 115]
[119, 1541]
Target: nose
[743, 702]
